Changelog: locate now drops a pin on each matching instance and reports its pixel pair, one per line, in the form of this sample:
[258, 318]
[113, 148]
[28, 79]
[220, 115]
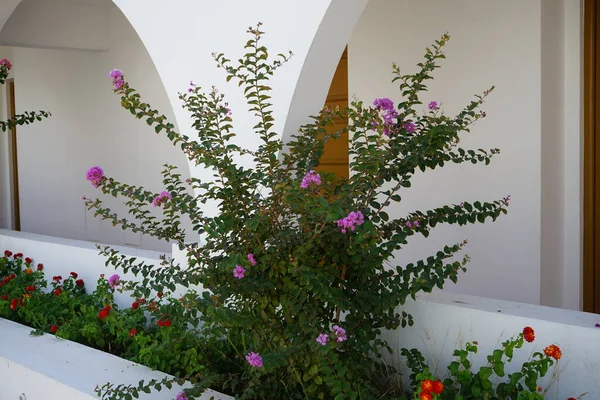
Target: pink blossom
[161, 198]
[410, 127]
[254, 359]
[116, 74]
[181, 396]
[251, 259]
[350, 222]
[239, 272]
[340, 334]
[94, 175]
[322, 339]
[114, 281]
[6, 63]
[311, 178]
[433, 105]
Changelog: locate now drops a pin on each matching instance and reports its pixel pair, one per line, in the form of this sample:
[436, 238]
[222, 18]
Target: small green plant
[490, 381]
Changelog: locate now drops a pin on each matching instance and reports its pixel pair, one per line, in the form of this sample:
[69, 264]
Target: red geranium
[40, 267]
[438, 387]
[164, 322]
[57, 278]
[53, 329]
[133, 332]
[7, 253]
[18, 255]
[57, 291]
[104, 312]
[30, 288]
[5, 297]
[79, 282]
[74, 275]
[135, 305]
[28, 260]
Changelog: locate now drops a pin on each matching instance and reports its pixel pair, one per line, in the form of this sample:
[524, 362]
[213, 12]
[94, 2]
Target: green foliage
[310, 275]
[26, 118]
[490, 381]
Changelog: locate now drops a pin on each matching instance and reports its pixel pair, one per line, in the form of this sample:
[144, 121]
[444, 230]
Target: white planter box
[49, 368]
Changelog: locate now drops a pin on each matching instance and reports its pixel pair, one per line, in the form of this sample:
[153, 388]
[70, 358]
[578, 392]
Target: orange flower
[425, 396]
[28, 271]
[553, 351]
[427, 386]
[528, 334]
[438, 387]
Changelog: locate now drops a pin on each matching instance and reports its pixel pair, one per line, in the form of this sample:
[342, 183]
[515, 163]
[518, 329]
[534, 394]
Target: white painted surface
[445, 321]
[49, 368]
[493, 43]
[88, 127]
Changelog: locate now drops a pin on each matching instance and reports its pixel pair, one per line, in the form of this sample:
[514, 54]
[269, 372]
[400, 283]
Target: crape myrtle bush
[293, 264]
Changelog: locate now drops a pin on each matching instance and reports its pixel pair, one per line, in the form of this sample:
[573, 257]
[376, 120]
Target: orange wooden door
[335, 154]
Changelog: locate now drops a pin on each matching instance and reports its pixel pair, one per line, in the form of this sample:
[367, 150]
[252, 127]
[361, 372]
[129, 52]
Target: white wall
[492, 43]
[88, 127]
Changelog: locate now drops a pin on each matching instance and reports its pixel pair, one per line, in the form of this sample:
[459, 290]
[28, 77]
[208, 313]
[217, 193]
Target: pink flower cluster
[410, 127]
[239, 272]
[254, 359]
[311, 178]
[181, 396]
[506, 200]
[94, 175]
[340, 334]
[117, 77]
[414, 224]
[4, 62]
[350, 222]
[251, 259]
[433, 105]
[161, 198]
[389, 113]
[114, 281]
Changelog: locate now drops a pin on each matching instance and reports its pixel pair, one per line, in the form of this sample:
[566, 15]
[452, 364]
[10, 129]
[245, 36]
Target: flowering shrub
[28, 117]
[293, 266]
[487, 383]
[153, 332]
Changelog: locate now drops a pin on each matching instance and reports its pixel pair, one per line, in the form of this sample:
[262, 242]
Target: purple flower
[409, 224]
[462, 204]
[322, 339]
[116, 74]
[340, 334]
[410, 127]
[310, 178]
[350, 222]
[251, 259]
[383, 104]
[118, 83]
[239, 271]
[433, 105]
[597, 325]
[161, 198]
[506, 200]
[254, 359]
[94, 175]
[114, 281]
[181, 396]
[414, 224]
[227, 110]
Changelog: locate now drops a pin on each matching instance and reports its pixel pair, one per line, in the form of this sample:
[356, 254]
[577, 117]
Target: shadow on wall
[62, 52]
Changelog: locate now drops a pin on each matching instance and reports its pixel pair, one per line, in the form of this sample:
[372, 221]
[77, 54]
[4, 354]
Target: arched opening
[61, 53]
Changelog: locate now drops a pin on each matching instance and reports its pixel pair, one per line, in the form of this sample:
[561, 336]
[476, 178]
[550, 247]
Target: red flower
[5, 297]
[28, 260]
[18, 255]
[79, 282]
[53, 329]
[57, 278]
[16, 303]
[30, 288]
[104, 312]
[7, 253]
[74, 275]
[164, 322]
[427, 385]
[135, 305]
[528, 334]
[425, 396]
[141, 300]
[40, 267]
[553, 351]
[57, 291]
[438, 387]
[132, 332]
[159, 294]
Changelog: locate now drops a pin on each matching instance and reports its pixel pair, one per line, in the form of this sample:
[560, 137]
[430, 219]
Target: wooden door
[16, 209]
[591, 206]
[335, 154]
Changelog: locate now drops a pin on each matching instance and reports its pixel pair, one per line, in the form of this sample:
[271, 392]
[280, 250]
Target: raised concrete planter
[49, 368]
[39, 367]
